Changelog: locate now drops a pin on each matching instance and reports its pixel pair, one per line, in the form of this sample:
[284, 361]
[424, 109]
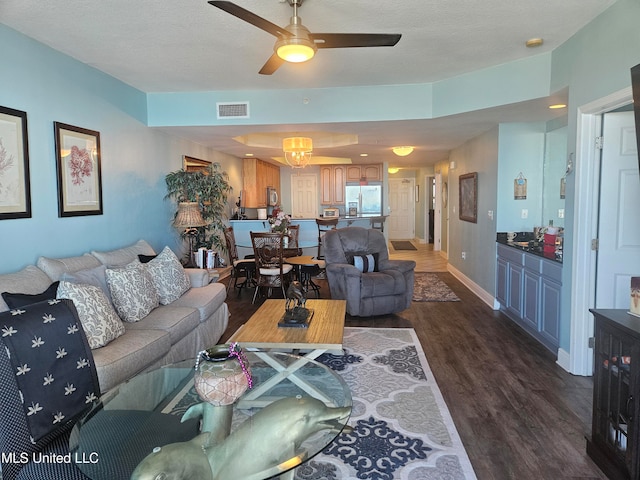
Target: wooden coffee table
[323, 335]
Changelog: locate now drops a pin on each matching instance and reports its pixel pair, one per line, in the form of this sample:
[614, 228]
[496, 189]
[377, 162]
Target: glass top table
[141, 421]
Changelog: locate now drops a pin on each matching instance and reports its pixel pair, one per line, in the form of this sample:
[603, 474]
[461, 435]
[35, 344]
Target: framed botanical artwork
[79, 176]
[15, 190]
[468, 192]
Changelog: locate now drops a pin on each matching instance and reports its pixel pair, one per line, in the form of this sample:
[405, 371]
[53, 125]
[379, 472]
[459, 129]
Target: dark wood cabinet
[613, 444]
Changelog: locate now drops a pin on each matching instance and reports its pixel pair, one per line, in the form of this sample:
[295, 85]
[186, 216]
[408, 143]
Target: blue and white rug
[402, 428]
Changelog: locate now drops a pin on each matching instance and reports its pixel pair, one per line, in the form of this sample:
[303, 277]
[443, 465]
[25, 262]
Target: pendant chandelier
[297, 151]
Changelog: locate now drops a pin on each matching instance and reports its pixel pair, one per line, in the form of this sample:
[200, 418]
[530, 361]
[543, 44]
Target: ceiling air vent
[233, 109]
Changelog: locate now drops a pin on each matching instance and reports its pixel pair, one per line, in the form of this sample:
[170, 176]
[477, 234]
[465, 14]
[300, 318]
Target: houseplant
[210, 188]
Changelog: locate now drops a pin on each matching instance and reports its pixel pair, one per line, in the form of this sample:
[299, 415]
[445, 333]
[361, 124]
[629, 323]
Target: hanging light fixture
[297, 151]
[402, 151]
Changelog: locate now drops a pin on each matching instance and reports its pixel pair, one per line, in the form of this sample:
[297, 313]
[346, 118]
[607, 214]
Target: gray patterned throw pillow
[132, 291]
[168, 276]
[99, 320]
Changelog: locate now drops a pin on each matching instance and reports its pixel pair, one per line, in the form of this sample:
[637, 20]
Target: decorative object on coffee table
[296, 314]
[222, 374]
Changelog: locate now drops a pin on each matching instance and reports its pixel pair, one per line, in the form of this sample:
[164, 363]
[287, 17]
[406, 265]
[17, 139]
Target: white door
[619, 222]
[304, 196]
[437, 214]
[401, 219]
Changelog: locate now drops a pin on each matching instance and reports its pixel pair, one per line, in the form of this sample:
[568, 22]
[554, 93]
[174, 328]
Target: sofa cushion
[178, 322]
[90, 276]
[132, 291]
[55, 267]
[123, 256]
[168, 276]
[30, 280]
[100, 321]
[206, 299]
[128, 355]
[19, 300]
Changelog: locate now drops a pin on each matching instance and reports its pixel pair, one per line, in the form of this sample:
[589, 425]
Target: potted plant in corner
[210, 188]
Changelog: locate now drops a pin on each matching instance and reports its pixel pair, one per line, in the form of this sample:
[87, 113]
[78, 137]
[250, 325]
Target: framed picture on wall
[15, 191]
[468, 192]
[79, 177]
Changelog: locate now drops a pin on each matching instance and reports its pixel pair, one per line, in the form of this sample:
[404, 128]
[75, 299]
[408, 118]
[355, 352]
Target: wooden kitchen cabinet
[257, 175]
[370, 172]
[332, 184]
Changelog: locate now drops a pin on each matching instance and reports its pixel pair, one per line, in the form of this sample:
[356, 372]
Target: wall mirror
[554, 168]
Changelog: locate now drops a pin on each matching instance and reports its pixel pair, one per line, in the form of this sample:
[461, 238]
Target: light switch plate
[525, 213]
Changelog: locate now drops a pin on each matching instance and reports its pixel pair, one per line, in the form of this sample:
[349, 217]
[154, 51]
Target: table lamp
[189, 218]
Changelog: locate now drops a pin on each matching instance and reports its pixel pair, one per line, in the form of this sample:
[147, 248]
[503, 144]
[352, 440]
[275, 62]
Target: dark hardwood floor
[519, 415]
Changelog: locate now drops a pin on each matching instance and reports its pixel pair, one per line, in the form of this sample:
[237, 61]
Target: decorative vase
[222, 374]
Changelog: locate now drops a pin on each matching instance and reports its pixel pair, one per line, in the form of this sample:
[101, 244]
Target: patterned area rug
[402, 428]
[403, 245]
[428, 287]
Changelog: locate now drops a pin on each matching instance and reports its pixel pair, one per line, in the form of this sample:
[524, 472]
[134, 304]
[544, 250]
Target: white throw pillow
[168, 276]
[132, 291]
[99, 320]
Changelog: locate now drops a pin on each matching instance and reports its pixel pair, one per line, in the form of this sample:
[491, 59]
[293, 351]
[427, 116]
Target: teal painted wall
[478, 240]
[521, 150]
[50, 87]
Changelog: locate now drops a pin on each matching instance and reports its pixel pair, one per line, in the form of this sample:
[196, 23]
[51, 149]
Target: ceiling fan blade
[272, 65]
[348, 40]
[250, 17]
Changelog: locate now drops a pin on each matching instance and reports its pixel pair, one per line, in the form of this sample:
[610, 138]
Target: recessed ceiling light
[534, 42]
[557, 105]
[364, 154]
[248, 154]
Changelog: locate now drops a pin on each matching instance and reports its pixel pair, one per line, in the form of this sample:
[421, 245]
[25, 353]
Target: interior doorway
[401, 221]
[579, 359]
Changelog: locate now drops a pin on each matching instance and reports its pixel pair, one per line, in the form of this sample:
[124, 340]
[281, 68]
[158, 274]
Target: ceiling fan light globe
[295, 53]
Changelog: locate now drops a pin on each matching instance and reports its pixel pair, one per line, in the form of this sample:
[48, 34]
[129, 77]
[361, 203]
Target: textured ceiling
[188, 45]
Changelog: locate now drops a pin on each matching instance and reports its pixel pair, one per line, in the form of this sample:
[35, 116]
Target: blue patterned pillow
[52, 362]
[168, 276]
[366, 263]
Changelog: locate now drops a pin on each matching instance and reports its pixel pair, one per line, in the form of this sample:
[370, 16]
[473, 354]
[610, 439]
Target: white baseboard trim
[564, 360]
[479, 292]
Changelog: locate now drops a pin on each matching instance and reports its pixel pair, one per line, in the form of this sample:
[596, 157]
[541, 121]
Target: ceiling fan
[295, 43]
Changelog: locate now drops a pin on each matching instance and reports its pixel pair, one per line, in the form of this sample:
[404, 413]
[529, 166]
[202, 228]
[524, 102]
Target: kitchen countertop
[531, 247]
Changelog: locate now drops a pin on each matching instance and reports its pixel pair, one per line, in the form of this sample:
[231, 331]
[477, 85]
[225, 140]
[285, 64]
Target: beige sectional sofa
[169, 333]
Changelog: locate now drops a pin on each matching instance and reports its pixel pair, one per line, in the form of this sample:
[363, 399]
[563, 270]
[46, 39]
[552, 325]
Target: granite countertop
[532, 247]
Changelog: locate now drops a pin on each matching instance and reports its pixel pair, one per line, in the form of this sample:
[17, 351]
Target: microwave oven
[272, 197]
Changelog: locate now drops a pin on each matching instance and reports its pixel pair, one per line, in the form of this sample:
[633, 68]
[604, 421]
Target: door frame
[437, 215]
[579, 360]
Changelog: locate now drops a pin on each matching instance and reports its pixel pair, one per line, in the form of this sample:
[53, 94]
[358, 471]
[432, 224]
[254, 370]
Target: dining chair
[377, 223]
[271, 271]
[245, 268]
[324, 225]
[294, 234]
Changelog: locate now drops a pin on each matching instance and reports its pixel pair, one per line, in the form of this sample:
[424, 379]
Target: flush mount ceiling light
[393, 170]
[557, 106]
[534, 42]
[297, 151]
[402, 151]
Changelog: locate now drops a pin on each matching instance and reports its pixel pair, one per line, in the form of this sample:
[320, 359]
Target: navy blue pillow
[52, 362]
[19, 300]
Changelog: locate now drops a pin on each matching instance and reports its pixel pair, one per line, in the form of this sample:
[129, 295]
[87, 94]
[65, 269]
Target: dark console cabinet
[613, 444]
